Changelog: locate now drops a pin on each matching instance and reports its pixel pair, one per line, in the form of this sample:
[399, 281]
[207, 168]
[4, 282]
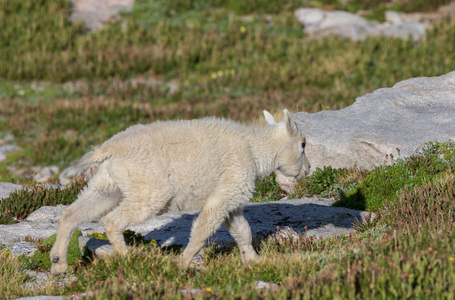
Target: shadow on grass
[354, 201]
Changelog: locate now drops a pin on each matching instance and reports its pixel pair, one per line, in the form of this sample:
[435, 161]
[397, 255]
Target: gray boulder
[390, 121]
[319, 22]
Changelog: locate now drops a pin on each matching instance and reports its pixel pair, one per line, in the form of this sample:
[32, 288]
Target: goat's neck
[265, 148]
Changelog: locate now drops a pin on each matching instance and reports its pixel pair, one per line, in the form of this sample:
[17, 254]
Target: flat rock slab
[317, 215]
[394, 120]
[47, 214]
[23, 248]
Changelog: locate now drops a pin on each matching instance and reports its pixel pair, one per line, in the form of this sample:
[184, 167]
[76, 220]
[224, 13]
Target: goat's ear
[289, 122]
[269, 119]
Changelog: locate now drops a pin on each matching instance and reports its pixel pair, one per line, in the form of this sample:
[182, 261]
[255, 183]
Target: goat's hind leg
[93, 202]
[240, 230]
[135, 209]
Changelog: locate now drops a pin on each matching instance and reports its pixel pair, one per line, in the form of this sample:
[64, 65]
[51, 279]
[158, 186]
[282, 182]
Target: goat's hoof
[59, 268]
[55, 259]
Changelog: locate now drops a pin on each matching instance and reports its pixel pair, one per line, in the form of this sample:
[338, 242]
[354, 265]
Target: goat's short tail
[99, 154]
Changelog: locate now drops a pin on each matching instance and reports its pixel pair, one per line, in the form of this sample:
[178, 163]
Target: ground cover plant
[21, 203]
[362, 190]
[63, 89]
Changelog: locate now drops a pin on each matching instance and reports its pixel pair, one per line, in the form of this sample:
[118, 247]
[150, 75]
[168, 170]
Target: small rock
[285, 235]
[94, 13]
[259, 285]
[7, 188]
[98, 247]
[42, 283]
[75, 171]
[46, 173]
[191, 291]
[41, 276]
[47, 213]
[197, 262]
[6, 149]
[42, 297]
[23, 248]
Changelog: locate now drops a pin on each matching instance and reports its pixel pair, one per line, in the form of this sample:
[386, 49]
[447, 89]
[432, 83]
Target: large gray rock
[394, 120]
[319, 22]
[7, 188]
[317, 215]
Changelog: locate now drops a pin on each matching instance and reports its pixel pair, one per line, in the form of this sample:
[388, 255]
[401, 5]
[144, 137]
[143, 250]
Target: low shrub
[432, 203]
[267, 189]
[40, 259]
[328, 182]
[20, 204]
[386, 182]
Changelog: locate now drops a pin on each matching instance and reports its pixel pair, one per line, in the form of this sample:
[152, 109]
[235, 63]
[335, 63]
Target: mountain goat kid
[209, 164]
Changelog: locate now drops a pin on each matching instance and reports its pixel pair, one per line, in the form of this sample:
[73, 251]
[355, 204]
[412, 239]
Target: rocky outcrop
[386, 124]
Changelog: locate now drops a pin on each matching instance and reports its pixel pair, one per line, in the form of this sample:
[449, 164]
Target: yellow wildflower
[242, 29]
[208, 290]
[220, 73]
[7, 252]
[451, 258]
[213, 76]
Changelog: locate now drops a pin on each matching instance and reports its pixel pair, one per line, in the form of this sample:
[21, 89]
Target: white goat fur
[209, 164]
